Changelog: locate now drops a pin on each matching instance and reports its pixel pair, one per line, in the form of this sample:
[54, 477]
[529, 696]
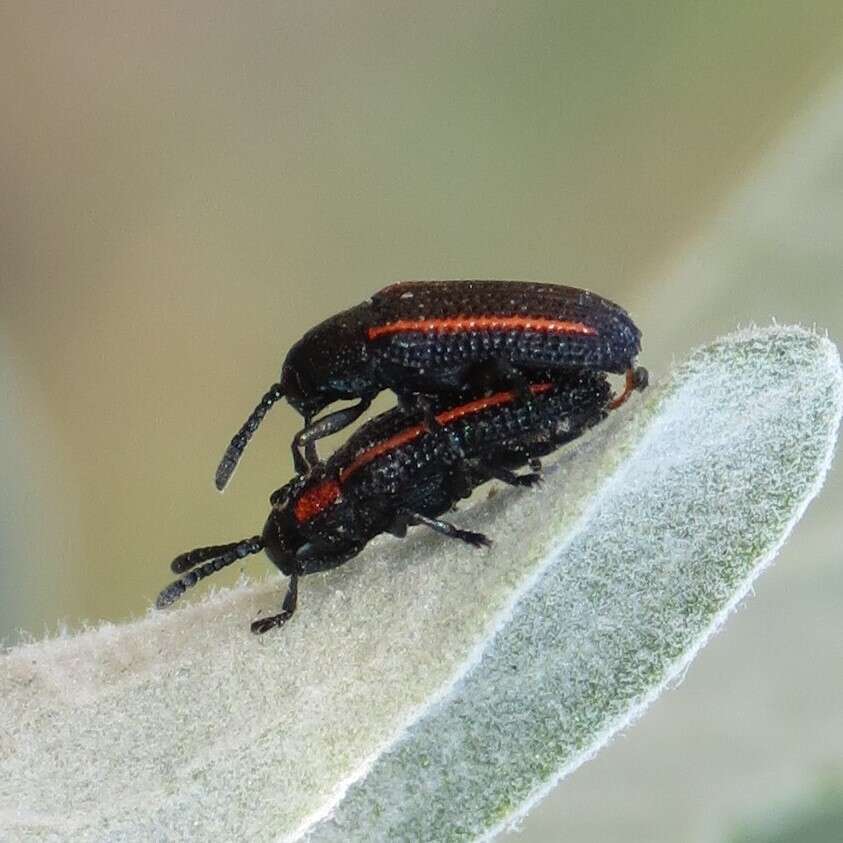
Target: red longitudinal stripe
[316, 499]
[444, 418]
[460, 324]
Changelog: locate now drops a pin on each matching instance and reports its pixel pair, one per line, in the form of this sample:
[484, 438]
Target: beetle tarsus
[524, 481]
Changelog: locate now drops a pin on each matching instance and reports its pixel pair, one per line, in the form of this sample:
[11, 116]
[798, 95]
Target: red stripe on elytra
[458, 324]
[327, 492]
[444, 418]
[316, 499]
[365, 457]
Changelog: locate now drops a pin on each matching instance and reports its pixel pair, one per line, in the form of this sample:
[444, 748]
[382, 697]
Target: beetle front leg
[310, 558]
[333, 422]
[407, 517]
[288, 607]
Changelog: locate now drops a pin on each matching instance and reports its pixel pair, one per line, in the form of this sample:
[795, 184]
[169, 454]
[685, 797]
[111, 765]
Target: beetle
[424, 338]
[396, 471]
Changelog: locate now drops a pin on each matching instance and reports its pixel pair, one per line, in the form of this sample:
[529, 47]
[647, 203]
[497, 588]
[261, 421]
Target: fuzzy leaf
[426, 691]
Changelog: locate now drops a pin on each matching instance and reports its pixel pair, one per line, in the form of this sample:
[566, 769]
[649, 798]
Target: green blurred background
[185, 189]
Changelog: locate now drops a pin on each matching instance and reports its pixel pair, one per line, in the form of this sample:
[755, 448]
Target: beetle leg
[494, 374]
[301, 462]
[321, 559]
[424, 405]
[433, 425]
[446, 529]
[318, 430]
[288, 607]
[461, 484]
[398, 527]
[311, 456]
[503, 474]
[636, 381]
[516, 379]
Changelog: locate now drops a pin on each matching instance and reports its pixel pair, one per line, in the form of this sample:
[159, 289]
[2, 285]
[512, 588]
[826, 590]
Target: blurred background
[185, 189]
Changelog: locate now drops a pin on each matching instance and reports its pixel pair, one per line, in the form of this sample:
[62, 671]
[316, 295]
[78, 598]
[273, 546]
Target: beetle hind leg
[523, 481]
[442, 527]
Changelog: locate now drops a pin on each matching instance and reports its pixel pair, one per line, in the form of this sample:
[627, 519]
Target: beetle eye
[294, 385]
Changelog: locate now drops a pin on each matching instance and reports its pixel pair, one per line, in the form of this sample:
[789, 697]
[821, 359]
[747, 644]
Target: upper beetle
[422, 338]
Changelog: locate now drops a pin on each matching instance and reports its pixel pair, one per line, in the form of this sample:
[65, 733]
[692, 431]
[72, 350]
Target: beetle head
[329, 363]
[302, 395]
[281, 535]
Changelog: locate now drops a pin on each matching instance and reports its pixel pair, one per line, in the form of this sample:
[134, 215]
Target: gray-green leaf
[428, 692]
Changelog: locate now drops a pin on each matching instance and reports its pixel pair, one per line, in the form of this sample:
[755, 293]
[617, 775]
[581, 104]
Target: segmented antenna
[235, 551]
[185, 561]
[238, 443]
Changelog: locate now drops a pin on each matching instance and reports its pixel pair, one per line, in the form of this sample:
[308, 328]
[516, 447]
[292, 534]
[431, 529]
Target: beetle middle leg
[406, 517]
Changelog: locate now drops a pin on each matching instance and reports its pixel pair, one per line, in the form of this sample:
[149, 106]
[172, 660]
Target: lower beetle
[432, 337]
[399, 470]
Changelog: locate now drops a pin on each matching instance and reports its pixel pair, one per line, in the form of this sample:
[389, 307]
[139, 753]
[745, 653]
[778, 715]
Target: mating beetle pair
[439, 337]
[490, 376]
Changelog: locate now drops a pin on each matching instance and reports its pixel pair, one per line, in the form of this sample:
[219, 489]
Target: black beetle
[397, 471]
[423, 338]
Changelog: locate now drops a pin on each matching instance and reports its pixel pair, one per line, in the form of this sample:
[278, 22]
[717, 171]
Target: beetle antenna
[239, 442]
[191, 558]
[237, 550]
